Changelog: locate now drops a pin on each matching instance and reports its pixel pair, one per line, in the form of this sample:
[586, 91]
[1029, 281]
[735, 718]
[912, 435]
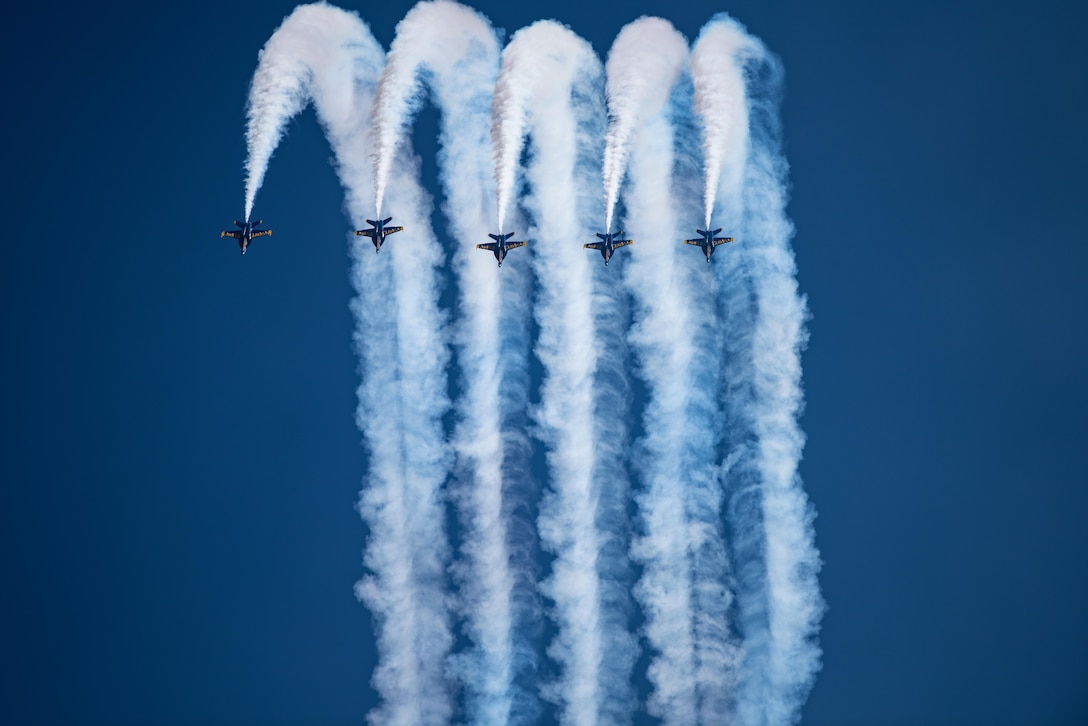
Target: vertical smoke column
[681, 548]
[455, 52]
[549, 89]
[326, 55]
[778, 597]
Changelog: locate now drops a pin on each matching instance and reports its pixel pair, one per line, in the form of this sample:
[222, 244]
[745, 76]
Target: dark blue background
[179, 455]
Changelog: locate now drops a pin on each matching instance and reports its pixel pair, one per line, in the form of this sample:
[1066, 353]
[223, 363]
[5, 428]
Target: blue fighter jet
[708, 241]
[378, 232]
[246, 233]
[500, 246]
[608, 244]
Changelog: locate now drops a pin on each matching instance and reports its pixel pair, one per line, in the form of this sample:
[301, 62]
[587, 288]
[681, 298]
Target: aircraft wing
[694, 242]
[261, 233]
[622, 242]
[364, 233]
[722, 240]
[492, 246]
[235, 235]
[391, 230]
[594, 245]
[513, 245]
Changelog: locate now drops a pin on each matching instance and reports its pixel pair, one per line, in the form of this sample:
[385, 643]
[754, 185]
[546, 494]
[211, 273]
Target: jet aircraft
[608, 244]
[246, 233]
[708, 241]
[500, 246]
[378, 232]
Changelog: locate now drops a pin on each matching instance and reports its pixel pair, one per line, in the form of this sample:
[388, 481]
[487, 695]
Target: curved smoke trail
[778, 600]
[327, 55]
[549, 86]
[719, 102]
[289, 66]
[455, 52]
[642, 66]
[671, 338]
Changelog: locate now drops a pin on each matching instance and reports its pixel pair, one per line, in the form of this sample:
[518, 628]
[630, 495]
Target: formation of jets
[500, 246]
[247, 231]
[378, 231]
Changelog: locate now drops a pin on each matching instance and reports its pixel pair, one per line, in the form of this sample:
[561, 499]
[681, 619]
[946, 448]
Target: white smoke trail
[454, 50]
[643, 63]
[684, 589]
[719, 102]
[401, 404]
[779, 603]
[398, 100]
[549, 86]
[510, 115]
[662, 340]
[328, 55]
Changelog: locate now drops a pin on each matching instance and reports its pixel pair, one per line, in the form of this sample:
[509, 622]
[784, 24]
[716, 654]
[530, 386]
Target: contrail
[549, 88]
[643, 63]
[719, 102]
[328, 55]
[778, 600]
[401, 403]
[676, 339]
[454, 51]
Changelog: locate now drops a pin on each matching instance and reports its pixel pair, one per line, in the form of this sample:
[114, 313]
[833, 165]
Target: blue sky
[180, 459]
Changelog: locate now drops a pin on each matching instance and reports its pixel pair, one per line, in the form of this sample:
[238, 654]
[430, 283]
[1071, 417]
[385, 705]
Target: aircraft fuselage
[501, 246]
[378, 232]
[707, 241]
[608, 244]
[245, 233]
